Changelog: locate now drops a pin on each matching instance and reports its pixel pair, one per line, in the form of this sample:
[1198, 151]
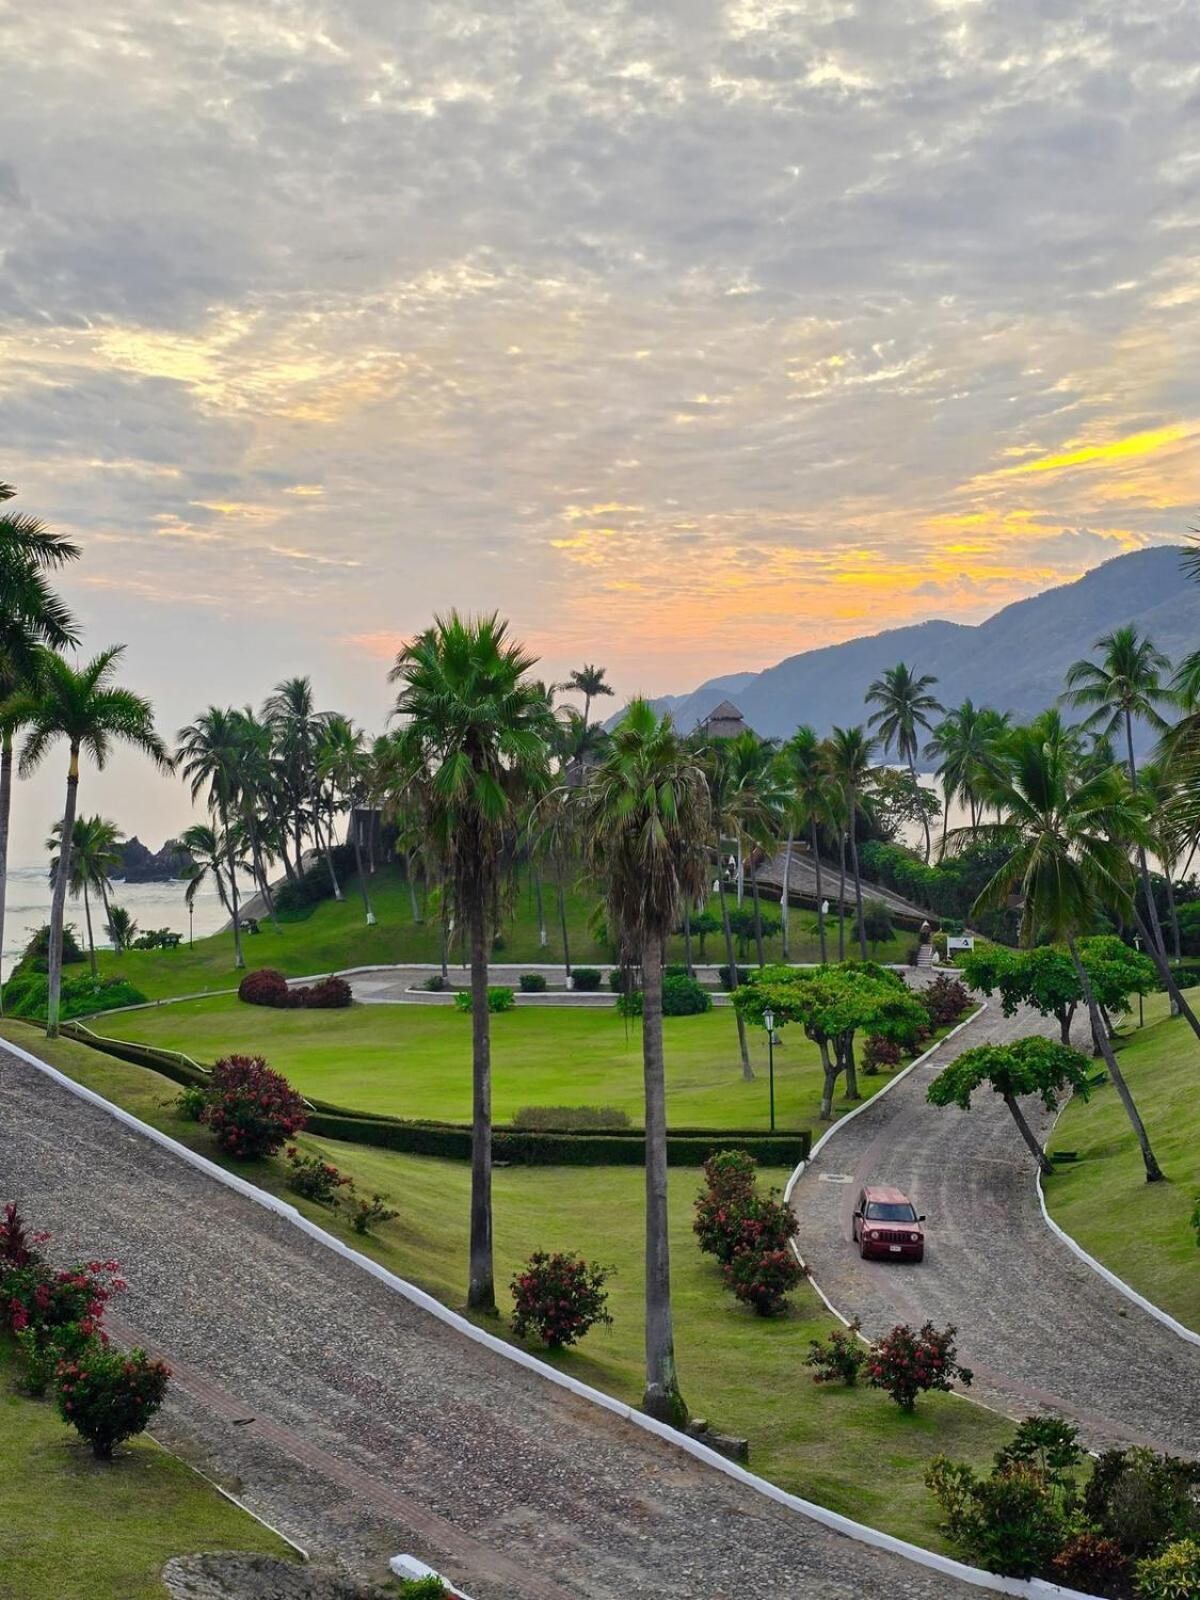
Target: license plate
[895, 1248]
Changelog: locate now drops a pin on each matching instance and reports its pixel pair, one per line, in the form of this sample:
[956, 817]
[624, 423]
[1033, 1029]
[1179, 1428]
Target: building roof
[724, 721]
[802, 883]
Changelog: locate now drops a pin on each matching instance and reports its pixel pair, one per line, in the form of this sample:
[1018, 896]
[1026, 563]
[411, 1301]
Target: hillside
[1015, 660]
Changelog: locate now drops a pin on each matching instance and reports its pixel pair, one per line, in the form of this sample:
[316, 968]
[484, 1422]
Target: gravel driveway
[360, 1425]
[1039, 1329]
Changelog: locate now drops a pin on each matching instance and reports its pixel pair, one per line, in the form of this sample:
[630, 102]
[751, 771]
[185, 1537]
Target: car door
[860, 1205]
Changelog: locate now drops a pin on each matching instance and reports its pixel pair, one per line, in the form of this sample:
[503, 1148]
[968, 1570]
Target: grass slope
[77, 1529]
[415, 1060]
[852, 1450]
[1139, 1230]
[335, 936]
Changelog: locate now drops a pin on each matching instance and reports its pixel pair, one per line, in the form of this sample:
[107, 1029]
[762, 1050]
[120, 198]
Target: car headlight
[873, 1234]
[916, 1238]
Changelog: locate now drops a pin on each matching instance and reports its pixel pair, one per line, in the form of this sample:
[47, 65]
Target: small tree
[110, 1395]
[907, 1363]
[559, 1297]
[250, 1109]
[1029, 1066]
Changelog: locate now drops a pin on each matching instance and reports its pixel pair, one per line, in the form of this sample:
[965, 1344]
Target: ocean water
[152, 905]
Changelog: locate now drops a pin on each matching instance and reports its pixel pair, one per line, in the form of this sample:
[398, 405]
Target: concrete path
[1038, 1327]
[360, 1425]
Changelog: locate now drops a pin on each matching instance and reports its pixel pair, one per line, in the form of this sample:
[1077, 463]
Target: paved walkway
[1038, 1327]
[358, 1424]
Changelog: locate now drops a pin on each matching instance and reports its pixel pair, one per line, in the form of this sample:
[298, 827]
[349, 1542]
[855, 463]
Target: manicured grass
[852, 1450]
[78, 1529]
[1140, 1230]
[335, 936]
[415, 1060]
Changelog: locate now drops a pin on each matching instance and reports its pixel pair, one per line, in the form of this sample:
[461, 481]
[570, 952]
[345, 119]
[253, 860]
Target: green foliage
[296, 900]
[1140, 1498]
[566, 1118]
[36, 955]
[1172, 1575]
[25, 996]
[1035, 1065]
[427, 1588]
[949, 888]
[499, 998]
[366, 1213]
[587, 978]
[877, 922]
[158, 939]
[684, 997]
[1010, 1522]
[110, 1395]
[532, 982]
[630, 1003]
[840, 1358]
[189, 1103]
[1189, 927]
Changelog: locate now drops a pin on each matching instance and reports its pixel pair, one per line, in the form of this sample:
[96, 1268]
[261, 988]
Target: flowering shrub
[330, 994]
[840, 1358]
[731, 1182]
[1172, 1575]
[762, 1278]
[251, 1109]
[37, 1297]
[109, 1396]
[264, 987]
[364, 1214]
[946, 999]
[1090, 1562]
[44, 1348]
[559, 1298]
[879, 1054]
[906, 1364]
[500, 998]
[532, 982]
[313, 1178]
[18, 1247]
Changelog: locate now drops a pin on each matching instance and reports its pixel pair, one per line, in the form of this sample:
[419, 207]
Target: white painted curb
[521, 1358]
[410, 1567]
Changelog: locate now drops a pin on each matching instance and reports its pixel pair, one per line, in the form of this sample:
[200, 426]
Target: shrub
[586, 978]
[158, 939]
[1047, 1444]
[313, 1178]
[18, 1247]
[364, 1214]
[251, 1109]
[676, 969]
[499, 998]
[1140, 1498]
[840, 1358]
[559, 1297]
[738, 975]
[426, 1588]
[264, 987]
[296, 899]
[557, 1119]
[622, 979]
[1174, 1574]
[43, 1349]
[330, 994]
[906, 1364]
[35, 1296]
[1090, 1562]
[532, 982]
[436, 984]
[36, 955]
[1008, 1522]
[762, 1278]
[25, 996]
[876, 922]
[189, 1103]
[684, 997]
[109, 1396]
[720, 1208]
[947, 999]
[631, 1004]
[880, 1054]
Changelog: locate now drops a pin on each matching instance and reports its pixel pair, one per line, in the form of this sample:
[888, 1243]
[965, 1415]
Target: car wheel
[920, 1255]
[862, 1250]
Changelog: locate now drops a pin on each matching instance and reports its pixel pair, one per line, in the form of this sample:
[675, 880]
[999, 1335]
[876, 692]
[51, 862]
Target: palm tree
[92, 714]
[343, 761]
[805, 776]
[290, 711]
[590, 682]
[258, 801]
[210, 756]
[962, 744]
[905, 707]
[849, 752]
[647, 827]
[95, 855]
[1066, 858]
[477, 731]
[725, 804]
[122, 929]
[210, 854]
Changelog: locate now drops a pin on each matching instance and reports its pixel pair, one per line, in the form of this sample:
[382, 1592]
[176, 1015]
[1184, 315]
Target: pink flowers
[251, 1110]
[907, 1363]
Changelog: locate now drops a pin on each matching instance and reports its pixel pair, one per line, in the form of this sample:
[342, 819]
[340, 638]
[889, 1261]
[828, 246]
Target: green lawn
[77, 1529]
[852, 1450]
[334, 935]
[415, 1060]
[1140, 1231]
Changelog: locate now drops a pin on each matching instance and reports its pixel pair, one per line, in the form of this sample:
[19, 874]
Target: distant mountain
[1015, 661]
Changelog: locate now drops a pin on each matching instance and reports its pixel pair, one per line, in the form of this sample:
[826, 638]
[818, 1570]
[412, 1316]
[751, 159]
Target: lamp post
[1137, 939]
[191, 914]
[769, 1023]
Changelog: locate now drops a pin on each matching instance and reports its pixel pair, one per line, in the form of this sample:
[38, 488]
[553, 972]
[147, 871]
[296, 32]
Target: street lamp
[191, 914]
[769, 1023]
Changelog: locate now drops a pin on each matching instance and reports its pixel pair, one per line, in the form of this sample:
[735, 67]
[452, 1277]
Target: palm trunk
[481, 1289]
[362, 877]
[741, 874]
[687, 942]
[945, 822]
[784, 900]
[820, 894]
[858, 899]
[1027, 1133]
[1176, 940]
[541, 910]
[325, 847]
[562, 925]
[59, 899]
[1143, 867]
[239, 959]
[912, 767]
[662, 1398]
[87, 920]
[1179, 1006]
[842, 898]
[410, 874]
[758, 933]
[731, 968]
[1153, 1170]
[6, 766]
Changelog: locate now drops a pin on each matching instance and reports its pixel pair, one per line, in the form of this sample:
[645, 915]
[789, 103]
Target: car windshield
[890, 1211]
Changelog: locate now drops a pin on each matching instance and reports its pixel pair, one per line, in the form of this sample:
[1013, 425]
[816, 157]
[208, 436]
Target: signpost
[960, 941]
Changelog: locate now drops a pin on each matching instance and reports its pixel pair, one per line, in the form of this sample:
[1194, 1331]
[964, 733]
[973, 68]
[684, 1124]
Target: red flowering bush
[37, 1297]
[18, 1247]
[907, 1364]
[559, 1298]
[719, 1208]
[946, 999]
[1093, 1563]
[264, 987]
[364, 1214]
[840, 1358]
[880, 1054]
[109, 1396]
[315, 1179]
[762, 1278]
[251, 1109]
[331, 994]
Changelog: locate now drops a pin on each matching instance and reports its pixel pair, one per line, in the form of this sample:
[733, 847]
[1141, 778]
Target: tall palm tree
[905, 707]
[345, 764]
[761, 803]
[849, 752]
[1067, 860]
[95, 856]
[210, 753]
[962, 744]
[209, 852]
[726, 804]
[258, 801]
[291, 713]
[477, 729]
[647, 827]
[805, 777]
[590, 682]
[91, 713]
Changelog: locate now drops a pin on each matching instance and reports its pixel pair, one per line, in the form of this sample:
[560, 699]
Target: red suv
[886, 1224]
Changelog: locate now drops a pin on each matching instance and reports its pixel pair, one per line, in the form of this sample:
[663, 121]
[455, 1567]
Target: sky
[687, 333]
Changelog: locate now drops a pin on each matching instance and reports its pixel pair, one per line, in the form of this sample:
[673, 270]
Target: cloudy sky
[689, 333]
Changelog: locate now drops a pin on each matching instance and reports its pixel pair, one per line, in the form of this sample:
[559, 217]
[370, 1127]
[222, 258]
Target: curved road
[360, 1425]
[1039, 1329]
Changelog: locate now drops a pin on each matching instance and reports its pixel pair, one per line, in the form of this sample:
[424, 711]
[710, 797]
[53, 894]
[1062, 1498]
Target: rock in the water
[141, 865]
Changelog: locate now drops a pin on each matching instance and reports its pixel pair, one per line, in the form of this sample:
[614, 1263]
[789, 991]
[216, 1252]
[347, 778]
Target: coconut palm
[84, 707]
[477, 729]
[345, 764]
[762, 800]
[95, 855]
[806, 779]
[905, 708]
[590, 682]
[210, 854]
[210, 755]
[646, 822]
[728, 800]
[1066, 858]
[290, 711]
[961, 744]
[848, 757]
